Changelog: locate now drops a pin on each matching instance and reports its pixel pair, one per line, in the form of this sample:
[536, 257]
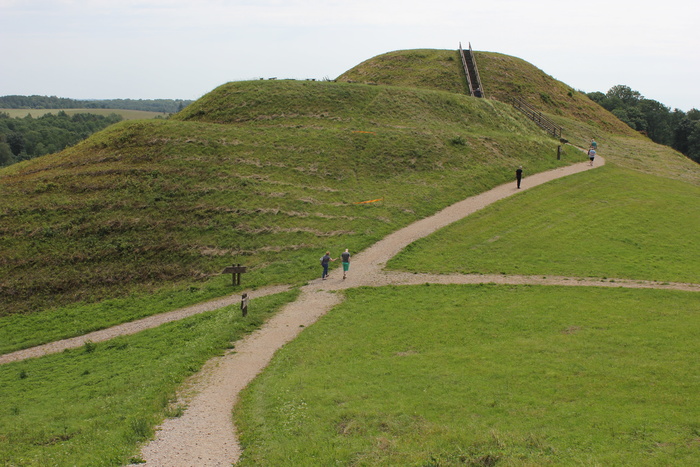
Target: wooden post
[244, 304]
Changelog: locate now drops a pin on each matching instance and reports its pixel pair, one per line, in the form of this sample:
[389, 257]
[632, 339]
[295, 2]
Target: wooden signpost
[235, 272]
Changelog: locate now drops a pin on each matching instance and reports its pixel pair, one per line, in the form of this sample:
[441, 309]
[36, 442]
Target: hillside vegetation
[141, 217]
[263, 173]
[268, 174]
[505, 77]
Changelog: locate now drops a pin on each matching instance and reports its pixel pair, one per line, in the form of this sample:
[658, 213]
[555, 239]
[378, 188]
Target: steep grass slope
[440, 70]
[265, 174]
[505, 77]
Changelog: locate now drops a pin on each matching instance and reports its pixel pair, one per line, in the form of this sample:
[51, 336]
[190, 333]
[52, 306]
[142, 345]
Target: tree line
[678, 129]
[53, 102]
[28, 137]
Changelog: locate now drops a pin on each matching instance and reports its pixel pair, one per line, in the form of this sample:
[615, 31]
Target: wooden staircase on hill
[472, 72]
[537, 117]
[476, 89]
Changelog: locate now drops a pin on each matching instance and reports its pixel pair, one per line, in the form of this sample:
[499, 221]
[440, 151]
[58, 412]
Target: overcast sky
[182, 49]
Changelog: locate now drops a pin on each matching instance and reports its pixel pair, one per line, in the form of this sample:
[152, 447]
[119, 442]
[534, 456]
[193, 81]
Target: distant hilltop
[53, 102]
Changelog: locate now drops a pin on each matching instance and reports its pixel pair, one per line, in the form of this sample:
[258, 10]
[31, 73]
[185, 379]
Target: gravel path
[205, 435]
[134, 326]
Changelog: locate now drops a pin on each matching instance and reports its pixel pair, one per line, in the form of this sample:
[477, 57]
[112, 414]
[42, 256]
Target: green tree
[16, 142]
[693, 150]
[6, 156]
[649, 116]
[658, 121]
[627, 95]
[681, 134]
[28, 137]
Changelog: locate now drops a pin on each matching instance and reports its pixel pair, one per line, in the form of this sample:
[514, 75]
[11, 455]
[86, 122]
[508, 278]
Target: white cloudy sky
[182, 49]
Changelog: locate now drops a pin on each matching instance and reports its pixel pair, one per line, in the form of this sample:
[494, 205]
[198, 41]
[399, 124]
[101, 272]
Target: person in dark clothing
[519, 175]
[325, 261]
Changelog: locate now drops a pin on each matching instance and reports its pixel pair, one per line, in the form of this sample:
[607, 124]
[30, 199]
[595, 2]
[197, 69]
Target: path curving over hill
[205, 435]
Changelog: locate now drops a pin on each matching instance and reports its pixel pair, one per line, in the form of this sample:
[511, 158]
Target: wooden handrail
[476, 72]
[466, 69]
[536, 116]
[473, 86]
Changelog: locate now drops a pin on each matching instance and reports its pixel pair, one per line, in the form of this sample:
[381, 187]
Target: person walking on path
[519, 175]
[591, 156]
[325, 261]
[345, 258]
[594, 145]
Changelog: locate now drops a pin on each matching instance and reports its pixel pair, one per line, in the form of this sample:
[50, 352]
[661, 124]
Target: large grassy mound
[268, 174]
[265, 174]
[504, 78]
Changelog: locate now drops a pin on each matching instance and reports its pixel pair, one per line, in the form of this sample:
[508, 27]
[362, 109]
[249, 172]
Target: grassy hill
[142, 217]
[505, 77]
[266, 173]
[262, 173]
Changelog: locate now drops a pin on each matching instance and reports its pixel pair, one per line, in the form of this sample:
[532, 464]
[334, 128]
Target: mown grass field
[484, 375]
[608, 223]
[20, 331]
[92, 406]
[125, 114]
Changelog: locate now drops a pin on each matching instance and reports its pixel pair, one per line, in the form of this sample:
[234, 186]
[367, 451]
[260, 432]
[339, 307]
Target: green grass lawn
[92, 406]
[20, 331]
[484, 375]
[610, 222]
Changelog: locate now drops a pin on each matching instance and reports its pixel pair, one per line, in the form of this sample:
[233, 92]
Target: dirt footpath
[205, 435]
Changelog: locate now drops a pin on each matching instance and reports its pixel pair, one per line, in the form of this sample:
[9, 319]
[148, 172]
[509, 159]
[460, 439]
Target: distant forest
[27, 137]
[676, 128]
[53, 102]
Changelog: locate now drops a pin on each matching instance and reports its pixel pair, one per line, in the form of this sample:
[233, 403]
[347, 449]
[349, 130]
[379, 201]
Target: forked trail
[205, 435]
